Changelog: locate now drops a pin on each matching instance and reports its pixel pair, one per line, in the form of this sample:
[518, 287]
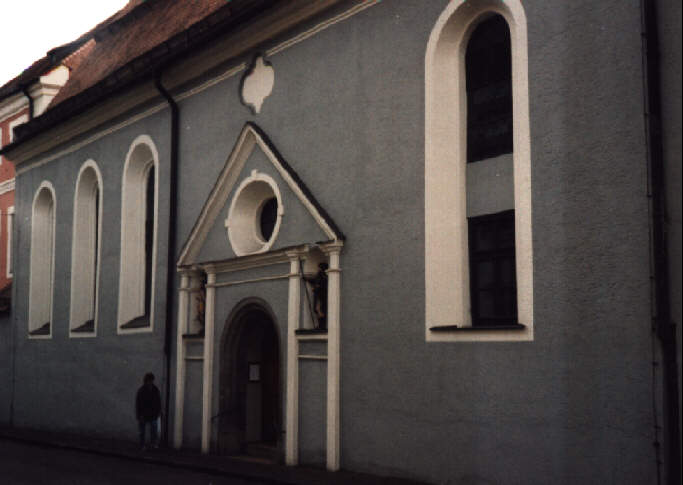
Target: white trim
[292, 399]
[197, 89]
[133, 203]
[8, 262]
[7, 186]
[42, 257]
[13, 105]
[333, 357]
[242, 221]
[183, 298]
[320, 27]
[446, 252]
[20, 120]
[247, 141]
[85, 264]
[96, 136]
[207, 373]
[251, 280]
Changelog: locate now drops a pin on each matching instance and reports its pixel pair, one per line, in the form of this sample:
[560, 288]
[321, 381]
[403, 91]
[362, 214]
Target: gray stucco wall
[347, 112]
[88, 384]
[6, 350]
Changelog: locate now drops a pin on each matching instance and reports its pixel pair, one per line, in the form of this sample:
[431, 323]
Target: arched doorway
[249, 418]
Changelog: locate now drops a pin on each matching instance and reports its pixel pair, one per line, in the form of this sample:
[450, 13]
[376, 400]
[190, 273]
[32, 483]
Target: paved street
[25, 464]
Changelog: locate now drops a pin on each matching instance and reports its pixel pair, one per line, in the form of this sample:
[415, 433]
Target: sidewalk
[213, 464]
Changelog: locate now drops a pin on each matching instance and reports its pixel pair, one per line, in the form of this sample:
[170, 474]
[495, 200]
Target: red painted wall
[7, 198]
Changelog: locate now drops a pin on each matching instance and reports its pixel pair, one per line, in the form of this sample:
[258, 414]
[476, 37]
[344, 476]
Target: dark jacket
[148, 403]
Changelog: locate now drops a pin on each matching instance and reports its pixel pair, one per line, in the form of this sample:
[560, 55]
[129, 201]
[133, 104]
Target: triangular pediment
[300, 218]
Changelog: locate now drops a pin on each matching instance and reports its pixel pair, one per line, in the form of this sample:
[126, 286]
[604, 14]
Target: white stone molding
[333, 356]
[447, 299]
[207, 374]
[14, 123]
[292, 399]
[12, 105]
[181, 329]
[7, 186]
[42, 271]
[10, 221]
[257, 84]
[141, 157]
[250, 138]
[242, 223]
[86, 249]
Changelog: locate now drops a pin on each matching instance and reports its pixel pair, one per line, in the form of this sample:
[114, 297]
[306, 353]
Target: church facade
[411, 240]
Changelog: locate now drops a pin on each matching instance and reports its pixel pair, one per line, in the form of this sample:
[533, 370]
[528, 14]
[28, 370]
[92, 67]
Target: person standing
[148, 410]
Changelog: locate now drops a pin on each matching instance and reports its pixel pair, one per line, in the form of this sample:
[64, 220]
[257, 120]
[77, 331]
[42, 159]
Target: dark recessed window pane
[149, 238]
[486, 273]
[489, 90]
[268, 218]
[492, 269]
[485, 237]
[507, 272]
[486, 304]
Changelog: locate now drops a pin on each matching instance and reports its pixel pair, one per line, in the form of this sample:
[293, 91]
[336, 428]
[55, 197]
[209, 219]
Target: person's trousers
[153, 431]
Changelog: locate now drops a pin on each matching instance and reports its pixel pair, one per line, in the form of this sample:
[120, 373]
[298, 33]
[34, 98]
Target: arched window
[478, 252]
[42, 262]
[85, 251]
[138, 237]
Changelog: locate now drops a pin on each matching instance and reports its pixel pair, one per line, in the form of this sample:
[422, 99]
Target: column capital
[332, 247]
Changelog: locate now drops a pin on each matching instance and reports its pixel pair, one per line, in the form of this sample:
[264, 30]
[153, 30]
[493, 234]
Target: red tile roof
[137, 28]
[56, 55]
[135, 44]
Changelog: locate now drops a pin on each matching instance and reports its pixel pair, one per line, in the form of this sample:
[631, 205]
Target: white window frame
[16, 122]
[42, 256]
[8, 264]
[142, 155]
[85, 265]
[447, 293]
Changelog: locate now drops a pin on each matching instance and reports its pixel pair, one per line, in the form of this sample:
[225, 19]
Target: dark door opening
[250, 386]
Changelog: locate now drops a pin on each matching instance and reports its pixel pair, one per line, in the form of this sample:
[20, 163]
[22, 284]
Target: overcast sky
[30, 28]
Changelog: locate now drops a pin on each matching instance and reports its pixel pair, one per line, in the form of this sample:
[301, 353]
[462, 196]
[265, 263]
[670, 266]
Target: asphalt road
[26, 464]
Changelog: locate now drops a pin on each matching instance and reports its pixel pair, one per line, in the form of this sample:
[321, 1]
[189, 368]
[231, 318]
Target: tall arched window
[42, 262]
[85, 251]
[138, 237]
[478, 252]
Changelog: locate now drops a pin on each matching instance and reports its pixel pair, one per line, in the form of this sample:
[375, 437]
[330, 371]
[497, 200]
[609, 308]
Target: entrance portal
[250, 385]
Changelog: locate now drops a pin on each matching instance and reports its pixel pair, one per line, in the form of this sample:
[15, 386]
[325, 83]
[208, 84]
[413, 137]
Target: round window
[254, 217]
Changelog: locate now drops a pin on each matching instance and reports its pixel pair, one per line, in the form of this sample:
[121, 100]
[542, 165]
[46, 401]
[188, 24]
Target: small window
[138, 238]
[489, 90]
[493, 289]
[85, 251]
[42, 262]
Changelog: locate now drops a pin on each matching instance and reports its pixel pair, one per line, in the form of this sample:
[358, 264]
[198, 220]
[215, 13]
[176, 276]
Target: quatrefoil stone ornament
[257, 84]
